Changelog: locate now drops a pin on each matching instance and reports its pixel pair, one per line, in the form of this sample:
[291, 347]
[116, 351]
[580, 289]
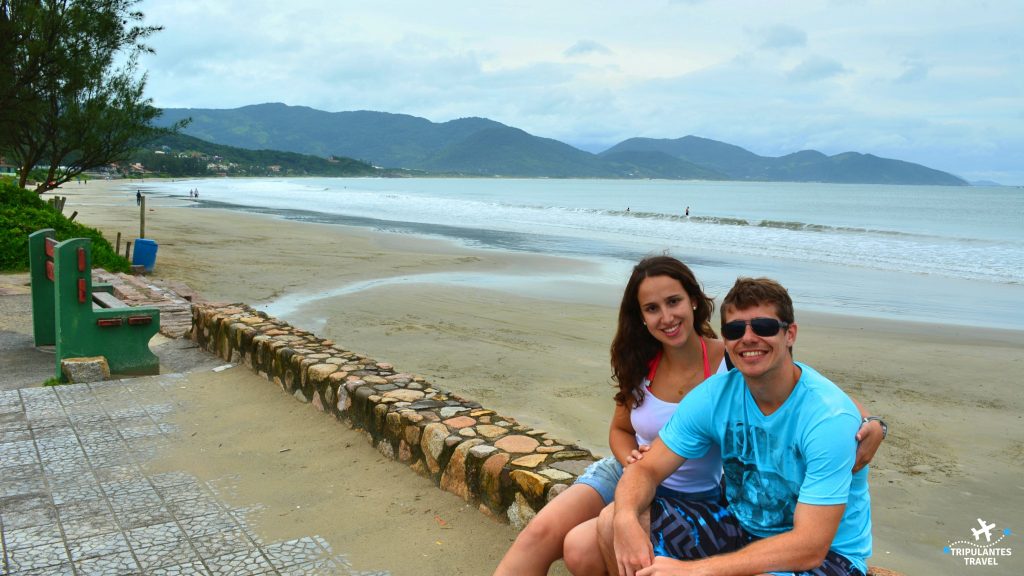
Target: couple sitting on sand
[793, 448]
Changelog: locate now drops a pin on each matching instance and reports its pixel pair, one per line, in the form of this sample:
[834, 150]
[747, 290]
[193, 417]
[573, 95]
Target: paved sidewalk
[77, 497]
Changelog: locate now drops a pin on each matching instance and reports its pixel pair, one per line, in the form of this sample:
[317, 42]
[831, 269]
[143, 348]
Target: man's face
[757, 356]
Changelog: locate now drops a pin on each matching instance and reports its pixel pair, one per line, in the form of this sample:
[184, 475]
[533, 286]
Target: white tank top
[696, 474]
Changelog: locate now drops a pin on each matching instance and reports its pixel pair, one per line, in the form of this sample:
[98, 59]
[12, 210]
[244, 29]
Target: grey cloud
[913, 71]
[816, 68]
[586, 48]
[781, 36]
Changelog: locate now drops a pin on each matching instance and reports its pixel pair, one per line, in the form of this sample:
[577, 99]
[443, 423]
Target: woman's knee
[534, 550]
[580, 553]
[543, 531]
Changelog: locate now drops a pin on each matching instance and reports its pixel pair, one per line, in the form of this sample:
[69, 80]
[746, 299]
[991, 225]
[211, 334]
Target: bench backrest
[63, 314]
[40, 261]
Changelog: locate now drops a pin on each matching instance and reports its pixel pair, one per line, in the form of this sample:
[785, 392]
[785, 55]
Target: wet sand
[956, 446]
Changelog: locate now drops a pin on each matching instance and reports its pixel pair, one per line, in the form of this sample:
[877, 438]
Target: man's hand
[633, 549]
[869, 438]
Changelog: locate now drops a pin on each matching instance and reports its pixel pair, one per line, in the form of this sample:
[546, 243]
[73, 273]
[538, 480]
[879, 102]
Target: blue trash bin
[145, 253]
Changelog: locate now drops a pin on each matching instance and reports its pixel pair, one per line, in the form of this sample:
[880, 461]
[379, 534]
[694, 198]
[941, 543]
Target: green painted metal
[121, 335]
[44, 324]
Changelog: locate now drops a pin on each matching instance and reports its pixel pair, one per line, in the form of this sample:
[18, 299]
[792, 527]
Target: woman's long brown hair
[633, 346]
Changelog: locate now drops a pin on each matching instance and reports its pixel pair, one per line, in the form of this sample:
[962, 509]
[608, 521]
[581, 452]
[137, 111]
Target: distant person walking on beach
[138, 198]
[664, 347]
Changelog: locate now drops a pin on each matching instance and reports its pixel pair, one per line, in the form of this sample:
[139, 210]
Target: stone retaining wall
[508, 470]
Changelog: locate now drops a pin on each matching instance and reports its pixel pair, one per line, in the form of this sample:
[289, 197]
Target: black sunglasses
[763, 327]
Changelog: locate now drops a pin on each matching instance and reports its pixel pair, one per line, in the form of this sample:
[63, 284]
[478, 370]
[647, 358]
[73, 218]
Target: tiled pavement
[76, 498]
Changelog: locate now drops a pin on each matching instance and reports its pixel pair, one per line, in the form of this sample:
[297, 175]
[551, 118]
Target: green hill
[805, 166]
[504, 151]
[380, 138]
[482, 147]
[178, 155]
[655, 164]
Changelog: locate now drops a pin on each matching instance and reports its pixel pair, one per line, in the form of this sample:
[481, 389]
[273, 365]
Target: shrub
[22, 212]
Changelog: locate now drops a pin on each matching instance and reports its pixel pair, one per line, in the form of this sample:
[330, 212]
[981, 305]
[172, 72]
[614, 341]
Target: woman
[664, 346]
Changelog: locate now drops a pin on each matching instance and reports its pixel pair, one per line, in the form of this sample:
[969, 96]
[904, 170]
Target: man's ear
[791, 335]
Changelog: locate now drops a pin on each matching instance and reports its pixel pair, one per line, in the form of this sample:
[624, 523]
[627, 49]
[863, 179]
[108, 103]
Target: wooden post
[128, 250]
[117, 247]
[73, 214]
[142, 218]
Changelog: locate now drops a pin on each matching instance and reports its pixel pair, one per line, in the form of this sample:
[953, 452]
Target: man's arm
[633, 496]
[802, 548]
[869, 438]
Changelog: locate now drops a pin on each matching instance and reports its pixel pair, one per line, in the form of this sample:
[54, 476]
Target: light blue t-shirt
[802, 452]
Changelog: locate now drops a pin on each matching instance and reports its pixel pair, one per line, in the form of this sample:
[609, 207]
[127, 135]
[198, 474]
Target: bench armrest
[106, 300]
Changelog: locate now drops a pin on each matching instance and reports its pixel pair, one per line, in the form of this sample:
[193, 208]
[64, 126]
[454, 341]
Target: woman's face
[667, 309]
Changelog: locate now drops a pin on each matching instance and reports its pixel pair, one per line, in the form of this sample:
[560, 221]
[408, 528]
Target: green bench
[81, 319]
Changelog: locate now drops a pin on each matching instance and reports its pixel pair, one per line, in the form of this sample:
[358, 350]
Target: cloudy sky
[939, 82]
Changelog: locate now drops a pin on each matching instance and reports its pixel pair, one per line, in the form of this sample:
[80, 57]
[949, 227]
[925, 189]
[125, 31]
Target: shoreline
[946, 391]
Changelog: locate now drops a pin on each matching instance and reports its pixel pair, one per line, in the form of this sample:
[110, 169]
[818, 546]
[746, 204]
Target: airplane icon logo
[985, 529]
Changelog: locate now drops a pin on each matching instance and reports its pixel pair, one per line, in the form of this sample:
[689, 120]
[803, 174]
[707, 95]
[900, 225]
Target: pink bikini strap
[652, 366]
[707, 364]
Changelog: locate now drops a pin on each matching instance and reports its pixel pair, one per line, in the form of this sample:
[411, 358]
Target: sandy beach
[956, 446]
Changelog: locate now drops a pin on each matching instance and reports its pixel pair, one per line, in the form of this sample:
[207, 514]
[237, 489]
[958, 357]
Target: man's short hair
[750, 292]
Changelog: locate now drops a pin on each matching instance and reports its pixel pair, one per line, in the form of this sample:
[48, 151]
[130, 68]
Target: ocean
[952, 255]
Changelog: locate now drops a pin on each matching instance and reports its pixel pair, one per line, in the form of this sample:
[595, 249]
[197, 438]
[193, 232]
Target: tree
[66, 104]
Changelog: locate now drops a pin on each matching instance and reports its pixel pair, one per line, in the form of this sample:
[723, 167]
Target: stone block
[556, 490]
[491, 479]
[517, 443]
[393, 428]
[85, 369]
[530, 460]
[432, 444]
[556, 475]
[455, 478]
[530, 483]
[412, 434]
[404, 395]
[318, 373]
[491, 431]
[520, 513]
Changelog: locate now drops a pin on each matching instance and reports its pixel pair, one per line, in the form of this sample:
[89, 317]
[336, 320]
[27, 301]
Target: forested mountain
[178, 155]
[804, 166]
[482, 147]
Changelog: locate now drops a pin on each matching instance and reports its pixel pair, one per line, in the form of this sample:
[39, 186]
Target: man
[787, 439]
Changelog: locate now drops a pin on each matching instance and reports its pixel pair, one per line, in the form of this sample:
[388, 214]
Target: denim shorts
[603, 476]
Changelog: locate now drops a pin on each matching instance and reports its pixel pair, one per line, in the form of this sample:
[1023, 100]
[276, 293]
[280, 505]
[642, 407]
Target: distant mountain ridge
[483, 147]
[803, 166]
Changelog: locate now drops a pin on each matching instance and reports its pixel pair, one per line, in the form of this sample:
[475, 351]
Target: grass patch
[22, 212]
